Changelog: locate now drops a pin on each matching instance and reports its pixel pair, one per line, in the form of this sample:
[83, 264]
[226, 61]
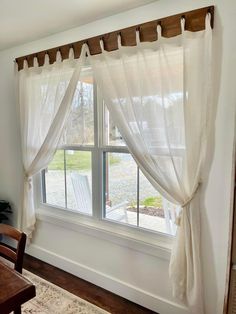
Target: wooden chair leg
[18, 310]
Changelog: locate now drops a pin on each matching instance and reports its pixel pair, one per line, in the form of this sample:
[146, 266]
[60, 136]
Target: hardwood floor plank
[83, 289]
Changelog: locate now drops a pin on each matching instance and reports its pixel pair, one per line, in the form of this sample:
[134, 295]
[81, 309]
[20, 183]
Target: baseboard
[121, 288]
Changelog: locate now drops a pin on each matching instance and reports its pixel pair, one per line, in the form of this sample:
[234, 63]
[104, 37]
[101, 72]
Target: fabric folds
[45, 96]
[158, 96]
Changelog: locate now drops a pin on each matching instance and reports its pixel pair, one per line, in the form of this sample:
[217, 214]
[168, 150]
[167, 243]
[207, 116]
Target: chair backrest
[16, 257]
[82, 192]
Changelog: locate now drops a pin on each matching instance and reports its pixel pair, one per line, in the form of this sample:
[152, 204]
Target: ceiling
[27, 20]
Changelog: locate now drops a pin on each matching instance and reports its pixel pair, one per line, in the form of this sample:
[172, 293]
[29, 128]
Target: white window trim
[157, 245]
[144, 240]
[148, 242]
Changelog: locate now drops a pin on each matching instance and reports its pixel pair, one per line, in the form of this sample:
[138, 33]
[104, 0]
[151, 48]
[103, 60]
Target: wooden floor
[87, 291]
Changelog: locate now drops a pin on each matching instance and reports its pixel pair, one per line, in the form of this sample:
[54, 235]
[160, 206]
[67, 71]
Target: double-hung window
[93, 173]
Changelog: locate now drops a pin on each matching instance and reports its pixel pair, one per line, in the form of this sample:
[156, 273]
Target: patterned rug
[51, 299]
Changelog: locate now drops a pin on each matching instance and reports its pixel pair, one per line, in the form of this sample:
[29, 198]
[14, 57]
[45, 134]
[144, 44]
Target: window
[94, 174]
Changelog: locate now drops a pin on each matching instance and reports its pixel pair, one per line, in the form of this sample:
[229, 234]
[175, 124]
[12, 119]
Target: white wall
[140, 277]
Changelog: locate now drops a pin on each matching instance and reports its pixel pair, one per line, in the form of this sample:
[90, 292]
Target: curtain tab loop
[119, 41]
[208, 21]
[46, 59]
[102, 44]
[159, 31]
[85, 48]
[58, 57]
[35, 62]
[182, 22]
[137, 37]
[25, 64]
[71, 54]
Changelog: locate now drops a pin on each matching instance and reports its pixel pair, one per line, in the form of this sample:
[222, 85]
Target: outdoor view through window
[93, 170]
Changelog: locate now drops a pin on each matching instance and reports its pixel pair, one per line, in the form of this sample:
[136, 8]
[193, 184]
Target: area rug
[51, 299]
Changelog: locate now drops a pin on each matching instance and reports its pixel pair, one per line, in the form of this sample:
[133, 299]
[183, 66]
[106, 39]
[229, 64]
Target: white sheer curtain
[157, 94]
[45, 96]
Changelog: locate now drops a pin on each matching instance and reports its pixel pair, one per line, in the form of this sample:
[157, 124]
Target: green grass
[80, 160]
[77, 161]
[152, 201]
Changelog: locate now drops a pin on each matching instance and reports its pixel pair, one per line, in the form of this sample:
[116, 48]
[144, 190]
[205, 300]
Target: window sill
[155, 244]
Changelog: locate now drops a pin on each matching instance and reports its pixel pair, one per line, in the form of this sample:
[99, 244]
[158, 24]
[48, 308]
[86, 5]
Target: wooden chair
[14, 256]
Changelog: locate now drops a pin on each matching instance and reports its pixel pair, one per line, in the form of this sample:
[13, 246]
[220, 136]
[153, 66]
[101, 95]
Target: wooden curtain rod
[170, 26]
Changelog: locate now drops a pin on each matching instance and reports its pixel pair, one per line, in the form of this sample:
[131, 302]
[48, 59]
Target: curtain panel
[45, 96]
[158, 97]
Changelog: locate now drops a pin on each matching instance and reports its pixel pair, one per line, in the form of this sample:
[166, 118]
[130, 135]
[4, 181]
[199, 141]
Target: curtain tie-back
[178, 218]
[28, 179]
[191, 197]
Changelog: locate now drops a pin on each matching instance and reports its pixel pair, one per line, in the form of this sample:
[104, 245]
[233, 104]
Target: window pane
[79, 181]
[120, 173]
[55, 181]
[151, 211]
[112, 136]
[80, 125]
[155, 213]
[128, 196]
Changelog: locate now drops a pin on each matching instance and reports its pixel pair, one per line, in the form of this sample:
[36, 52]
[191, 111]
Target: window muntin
[112, 187]
[55, 181]
[120, 192]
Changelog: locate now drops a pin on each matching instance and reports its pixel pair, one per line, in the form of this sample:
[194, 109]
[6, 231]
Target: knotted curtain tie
[28, 179]
[178, 218]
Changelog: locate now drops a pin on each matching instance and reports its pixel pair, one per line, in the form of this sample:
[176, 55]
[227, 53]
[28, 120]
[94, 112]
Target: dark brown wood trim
[230, 279]
[171, 26]
[15, 256]
[15, 290]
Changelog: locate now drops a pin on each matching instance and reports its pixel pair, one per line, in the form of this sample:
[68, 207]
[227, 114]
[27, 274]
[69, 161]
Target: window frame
[97, 220]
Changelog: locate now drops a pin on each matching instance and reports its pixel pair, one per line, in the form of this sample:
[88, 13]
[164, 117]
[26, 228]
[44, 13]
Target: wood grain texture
[15, 256]
[232, 293]
[14, 290]
[171, 26]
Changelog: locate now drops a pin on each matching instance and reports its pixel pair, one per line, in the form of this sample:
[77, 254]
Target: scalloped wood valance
[170, 26]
